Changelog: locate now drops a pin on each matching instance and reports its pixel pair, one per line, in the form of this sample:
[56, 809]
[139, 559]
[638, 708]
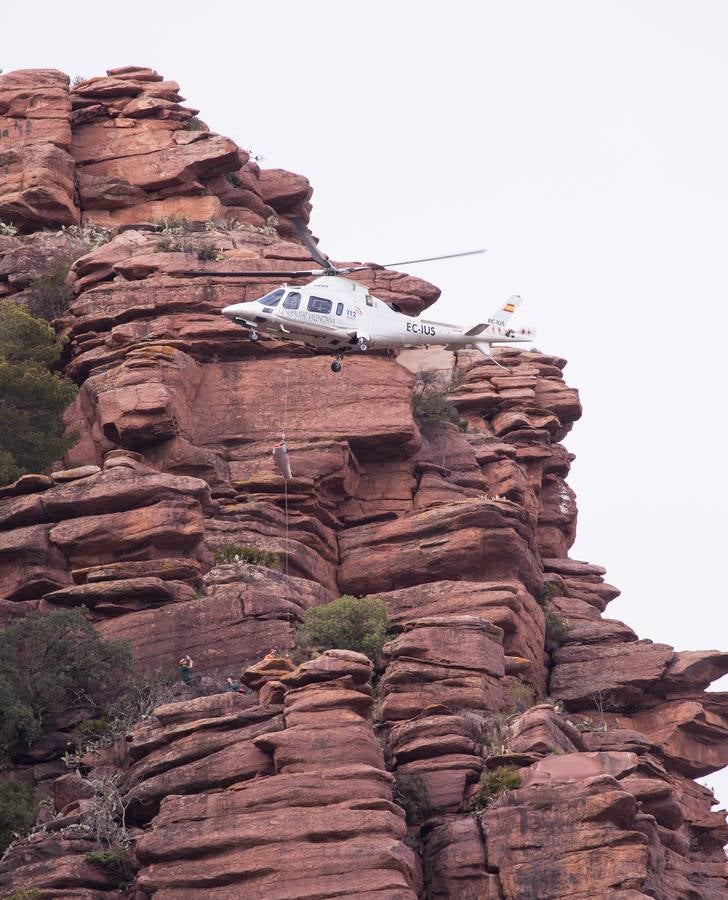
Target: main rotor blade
[260, 273]
[409, 262]
[327, 268]
[308, 242]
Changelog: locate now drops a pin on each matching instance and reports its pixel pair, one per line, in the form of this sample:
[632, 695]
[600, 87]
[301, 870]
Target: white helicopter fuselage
[340, 314]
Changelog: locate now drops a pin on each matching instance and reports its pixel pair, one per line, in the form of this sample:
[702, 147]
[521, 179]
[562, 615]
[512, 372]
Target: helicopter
[338, 314]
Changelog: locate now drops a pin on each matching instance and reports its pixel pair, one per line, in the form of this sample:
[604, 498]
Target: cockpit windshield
[272, 298]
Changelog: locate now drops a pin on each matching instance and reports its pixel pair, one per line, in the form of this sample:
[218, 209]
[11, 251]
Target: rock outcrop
[512, 742]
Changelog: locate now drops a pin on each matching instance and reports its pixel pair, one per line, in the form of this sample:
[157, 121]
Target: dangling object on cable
[280, 457]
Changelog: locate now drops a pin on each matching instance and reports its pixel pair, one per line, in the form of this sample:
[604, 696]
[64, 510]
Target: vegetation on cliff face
[493, 785]
[430, 403]
[349, 623]
[18, 808]
[32, 397]
[48, 663]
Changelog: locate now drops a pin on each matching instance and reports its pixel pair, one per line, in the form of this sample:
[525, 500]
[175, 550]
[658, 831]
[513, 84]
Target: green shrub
[549, 590]
[33, 398]
[430, 404]
[497, 734]
[143, 693]
[91, 729]
[116, 863]
[25, 894]
[411, 793]
[519, 696]
[7, 230]
[349, 623]
[165, 244]
[18, 809]
[556, 631]
[195, 124]
[48, 662]
[103, 858]
[49, 295]
[234, 179]
[493, 784]
[207, 253]
[172, 224]
[240, 553]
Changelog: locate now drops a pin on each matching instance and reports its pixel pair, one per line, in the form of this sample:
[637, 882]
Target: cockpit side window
[292, 301]
[272, 298]
[370, 302]
[339, 309]
[319, 305]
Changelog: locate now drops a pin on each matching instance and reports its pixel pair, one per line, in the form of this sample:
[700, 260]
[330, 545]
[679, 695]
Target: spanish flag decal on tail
[509, 307]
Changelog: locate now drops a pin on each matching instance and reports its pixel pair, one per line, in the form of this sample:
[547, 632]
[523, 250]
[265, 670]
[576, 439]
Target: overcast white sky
[583, 143]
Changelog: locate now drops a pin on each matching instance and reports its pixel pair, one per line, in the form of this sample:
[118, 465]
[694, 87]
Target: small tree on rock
[31, 397]
[349, 623]
[18, 809]
[49, 663]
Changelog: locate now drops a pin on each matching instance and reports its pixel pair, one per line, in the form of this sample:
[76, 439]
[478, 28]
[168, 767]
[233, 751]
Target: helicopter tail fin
[500, 317]
[504, 312]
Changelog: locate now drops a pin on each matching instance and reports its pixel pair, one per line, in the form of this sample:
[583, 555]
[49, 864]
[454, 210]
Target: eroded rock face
[326, 778]
[37, 186]
[305, 791]
[455, 661]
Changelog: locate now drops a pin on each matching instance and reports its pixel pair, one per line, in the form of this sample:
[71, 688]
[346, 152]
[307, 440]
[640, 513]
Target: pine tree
[32, 397]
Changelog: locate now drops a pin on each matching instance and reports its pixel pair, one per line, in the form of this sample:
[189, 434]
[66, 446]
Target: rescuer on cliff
[186, 665]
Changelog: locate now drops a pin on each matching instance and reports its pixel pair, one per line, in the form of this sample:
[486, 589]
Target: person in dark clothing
[186, 665]
[231, 684]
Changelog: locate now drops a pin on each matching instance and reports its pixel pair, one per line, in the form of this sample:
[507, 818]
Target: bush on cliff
[410, 792]
[430, 404]
[241, 553]
[49, 663]
[18, 809]
[31, 397]
[494, 783]
[557, 628]
[49, 295]
[349, 623]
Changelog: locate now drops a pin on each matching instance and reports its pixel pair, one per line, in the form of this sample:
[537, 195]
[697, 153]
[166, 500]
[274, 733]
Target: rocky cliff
[328, 779]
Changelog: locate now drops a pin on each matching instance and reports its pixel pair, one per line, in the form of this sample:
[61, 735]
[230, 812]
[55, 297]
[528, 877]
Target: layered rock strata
[327, 779]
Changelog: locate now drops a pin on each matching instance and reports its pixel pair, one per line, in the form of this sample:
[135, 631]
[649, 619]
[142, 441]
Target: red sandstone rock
[308, 817]
[230, 628]
[34, 108]
[455, 660]
[438, 754]
[573, 767]
[37, 186]
[58, 867]
[514, 611]
[581, 842]
[30, 564]
[478, 537]
[541, 730]
[691, 734]
[621, 671]
[289, 796]
[455, 862]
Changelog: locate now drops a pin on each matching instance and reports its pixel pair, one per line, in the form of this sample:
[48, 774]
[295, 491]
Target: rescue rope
[285, 486]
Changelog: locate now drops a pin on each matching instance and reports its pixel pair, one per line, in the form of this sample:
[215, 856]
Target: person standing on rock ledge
[186, 665]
